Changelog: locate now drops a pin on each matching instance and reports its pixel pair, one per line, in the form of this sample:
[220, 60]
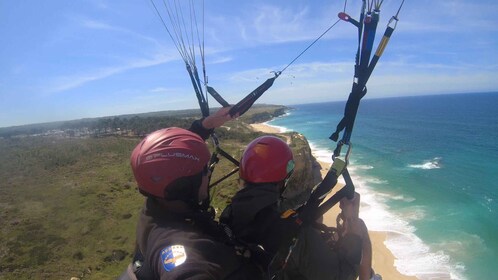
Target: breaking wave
[434, 163]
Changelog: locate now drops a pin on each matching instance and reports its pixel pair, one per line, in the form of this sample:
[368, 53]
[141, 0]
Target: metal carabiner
[348, 152]
[337, 151]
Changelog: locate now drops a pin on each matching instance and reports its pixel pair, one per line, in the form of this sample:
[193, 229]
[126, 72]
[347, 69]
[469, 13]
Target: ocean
[427, 171]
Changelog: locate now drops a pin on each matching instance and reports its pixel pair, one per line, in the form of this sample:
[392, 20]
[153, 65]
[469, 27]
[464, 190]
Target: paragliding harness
[314, 208]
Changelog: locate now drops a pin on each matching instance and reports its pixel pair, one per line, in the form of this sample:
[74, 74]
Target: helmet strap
[203, 203]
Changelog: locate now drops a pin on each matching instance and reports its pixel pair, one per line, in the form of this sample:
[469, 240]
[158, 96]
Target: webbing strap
[363, 67]
[217, 96]
[214, 160]
[370, 27]
[246, 103]
[194, 78]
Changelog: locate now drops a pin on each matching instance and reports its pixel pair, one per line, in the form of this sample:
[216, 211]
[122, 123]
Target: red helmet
[266, 159]
[165, 156]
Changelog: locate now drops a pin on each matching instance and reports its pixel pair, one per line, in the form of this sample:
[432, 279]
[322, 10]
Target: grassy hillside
[68, 207]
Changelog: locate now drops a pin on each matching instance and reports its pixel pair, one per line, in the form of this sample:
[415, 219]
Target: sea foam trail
[413, 256]
[280, 129]
[428, 164]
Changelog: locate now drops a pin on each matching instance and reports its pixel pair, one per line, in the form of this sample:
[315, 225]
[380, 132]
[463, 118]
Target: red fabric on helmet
[166, 155]
[266, 159]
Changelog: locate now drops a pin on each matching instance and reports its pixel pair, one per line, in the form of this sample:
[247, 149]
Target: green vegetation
[69, 206]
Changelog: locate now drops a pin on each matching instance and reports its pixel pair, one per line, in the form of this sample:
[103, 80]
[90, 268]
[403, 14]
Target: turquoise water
[427, 170]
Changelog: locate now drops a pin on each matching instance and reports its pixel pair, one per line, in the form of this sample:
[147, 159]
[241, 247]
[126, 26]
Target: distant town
[128, 126]
[137, 125]
[79, 133]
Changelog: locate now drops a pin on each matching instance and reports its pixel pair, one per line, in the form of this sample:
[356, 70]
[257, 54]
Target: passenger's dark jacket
[255, 218]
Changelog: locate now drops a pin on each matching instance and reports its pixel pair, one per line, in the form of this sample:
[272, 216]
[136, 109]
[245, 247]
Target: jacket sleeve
[197, 128]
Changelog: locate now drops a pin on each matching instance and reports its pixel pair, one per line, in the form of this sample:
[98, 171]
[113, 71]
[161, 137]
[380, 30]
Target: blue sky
[62, 60]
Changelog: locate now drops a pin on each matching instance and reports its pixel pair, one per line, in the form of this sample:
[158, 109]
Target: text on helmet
[169, 155]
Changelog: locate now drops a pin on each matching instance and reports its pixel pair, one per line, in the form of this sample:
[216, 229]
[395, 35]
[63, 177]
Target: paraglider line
[316, 40]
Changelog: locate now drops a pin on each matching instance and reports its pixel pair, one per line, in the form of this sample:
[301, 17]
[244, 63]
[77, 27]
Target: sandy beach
[383, 259]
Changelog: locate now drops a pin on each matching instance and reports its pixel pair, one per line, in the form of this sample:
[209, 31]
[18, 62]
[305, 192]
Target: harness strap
[217, 96]
[194, 78]
[363, 65]
[140, 268]
[246, 103]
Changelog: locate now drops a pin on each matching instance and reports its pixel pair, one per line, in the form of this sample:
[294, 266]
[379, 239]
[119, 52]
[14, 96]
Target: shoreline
[383, 259]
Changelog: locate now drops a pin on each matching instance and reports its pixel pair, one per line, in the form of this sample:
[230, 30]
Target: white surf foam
[413, 256]
[402, 198]
[428, 164]
[322, 155]
[280, 129]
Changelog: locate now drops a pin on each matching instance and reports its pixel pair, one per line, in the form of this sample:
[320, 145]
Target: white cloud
[69, 82]
[160, 90]
[392, 85]
[266, 24]
[416, 84]
[314, 82]
[94, 24]
[220, 59]
[276, 24]
[449, 16]
[103, 26]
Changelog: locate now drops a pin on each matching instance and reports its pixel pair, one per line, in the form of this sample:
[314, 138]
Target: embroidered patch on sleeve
[173, 256]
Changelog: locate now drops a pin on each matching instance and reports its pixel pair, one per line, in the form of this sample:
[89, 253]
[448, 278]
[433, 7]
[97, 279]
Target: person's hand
[350, 212]
[219, 118]
[350, 207]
